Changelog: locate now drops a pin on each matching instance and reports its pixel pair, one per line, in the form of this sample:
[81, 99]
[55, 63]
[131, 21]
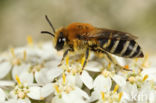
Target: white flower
[75, 96]
[144, 93]
[24, 91]
[48, 74]
[103, 83]
[107, 96]
[118, 79]
[67, 92]
[6, 83]
[100, 84]
[43, 73]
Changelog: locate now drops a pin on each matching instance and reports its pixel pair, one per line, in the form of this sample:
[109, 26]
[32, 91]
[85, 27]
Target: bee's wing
[101, 33]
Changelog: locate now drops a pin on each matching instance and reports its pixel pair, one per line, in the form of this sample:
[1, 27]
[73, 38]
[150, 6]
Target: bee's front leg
[64, 56]
[86, 59]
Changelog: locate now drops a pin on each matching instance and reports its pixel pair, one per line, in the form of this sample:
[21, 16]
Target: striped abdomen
[123, 48]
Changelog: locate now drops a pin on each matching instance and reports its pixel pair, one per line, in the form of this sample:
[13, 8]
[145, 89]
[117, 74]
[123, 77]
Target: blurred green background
[20, 18]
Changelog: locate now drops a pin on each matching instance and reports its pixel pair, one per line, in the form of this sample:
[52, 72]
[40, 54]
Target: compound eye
[60, 43]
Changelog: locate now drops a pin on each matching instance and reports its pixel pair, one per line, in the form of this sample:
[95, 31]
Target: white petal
[56, 99]
[72, 97]
[93, 66]
[26, 100]
[94, 96]
[121, 81]
[150, 72]
[19, 51]
[71, 79]
[152, 97]
[102, 84]
[26, 77]
[6, 83]
[45, 75]
[2, 96]
[53, 73]
[78, 81]
[46, 90]
[82, 93]
[4, 69]
[11, 101]
[35, 92]
[13, 95]
[38, 93]
[120, 60]
[131, 90]
[23, 72]
[42, 77]
[87, 79]
[49, 49]
[74, 80]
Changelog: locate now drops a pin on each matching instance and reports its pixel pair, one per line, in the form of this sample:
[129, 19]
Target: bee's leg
[64, 55]
[112, 59]
[85, 61]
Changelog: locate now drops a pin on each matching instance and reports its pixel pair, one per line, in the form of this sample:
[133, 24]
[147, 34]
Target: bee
[83, 38]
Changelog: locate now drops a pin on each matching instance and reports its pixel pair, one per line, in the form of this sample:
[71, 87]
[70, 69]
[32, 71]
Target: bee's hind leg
[113, 60]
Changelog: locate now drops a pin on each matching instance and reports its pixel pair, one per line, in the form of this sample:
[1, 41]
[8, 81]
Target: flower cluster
[30, 75]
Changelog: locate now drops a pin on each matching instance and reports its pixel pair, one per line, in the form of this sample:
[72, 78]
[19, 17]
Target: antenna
[53, 29]
[47, 32]
[50, 23]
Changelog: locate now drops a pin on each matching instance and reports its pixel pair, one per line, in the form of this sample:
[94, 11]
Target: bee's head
[60, 39]
[59, 36]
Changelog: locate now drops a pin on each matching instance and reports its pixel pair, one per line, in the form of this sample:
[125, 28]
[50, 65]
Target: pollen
[116, 88]
[64, 78]
[126, 67]
[12, 50]
[82, 60]
[18, 79]
[145, 77]
[102, 96]
[67, 60]
[136, 60]
[57, 88]
[109, 65]
[29, 40]
[120, 95]
[24, 55]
